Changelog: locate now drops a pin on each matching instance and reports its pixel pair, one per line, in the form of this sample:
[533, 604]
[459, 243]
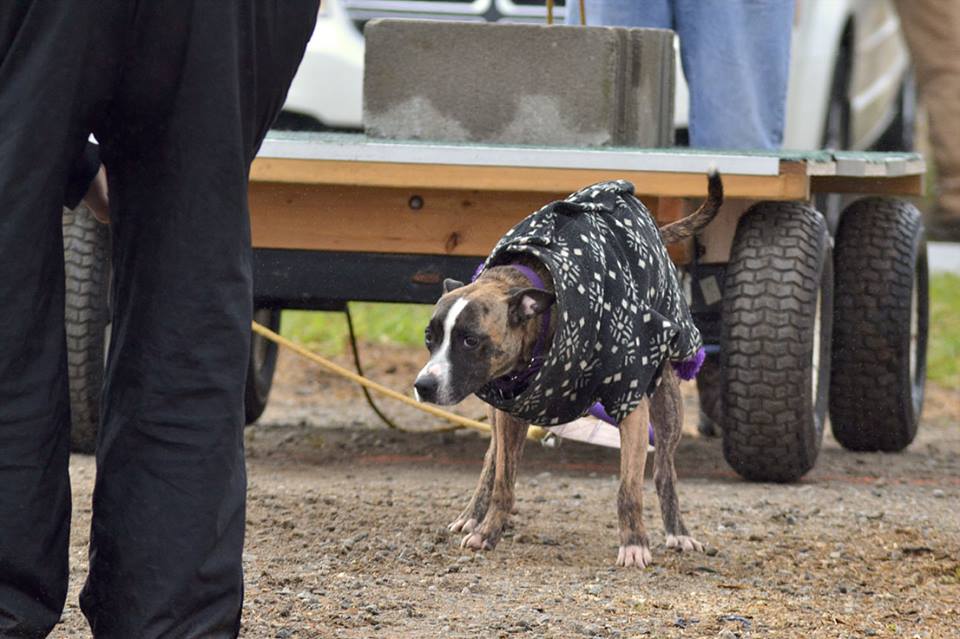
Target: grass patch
[326, 332]
[404, 323]
[943, 352]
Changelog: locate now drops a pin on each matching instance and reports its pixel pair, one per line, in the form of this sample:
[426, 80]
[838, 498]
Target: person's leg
[932, 30]
[49, 75]
[623, 13]
[202, 81]
[735, 56]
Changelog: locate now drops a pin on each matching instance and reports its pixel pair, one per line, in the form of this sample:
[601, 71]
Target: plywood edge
[789, 185]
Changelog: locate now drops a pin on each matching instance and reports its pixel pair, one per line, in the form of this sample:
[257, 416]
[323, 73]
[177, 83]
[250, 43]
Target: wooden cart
[801, 313]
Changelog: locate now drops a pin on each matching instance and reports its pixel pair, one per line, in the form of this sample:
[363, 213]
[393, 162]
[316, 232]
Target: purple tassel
[688, 369]
[598, 411]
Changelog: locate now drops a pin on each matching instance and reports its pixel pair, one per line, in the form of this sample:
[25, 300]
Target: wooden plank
[385, 220]
[904, 185]
[382, 220]
[666, 209]
[796, 182]
[355, 147]
[791, 184]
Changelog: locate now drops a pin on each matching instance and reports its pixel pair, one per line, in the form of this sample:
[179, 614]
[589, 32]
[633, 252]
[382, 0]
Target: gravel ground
[346, 533]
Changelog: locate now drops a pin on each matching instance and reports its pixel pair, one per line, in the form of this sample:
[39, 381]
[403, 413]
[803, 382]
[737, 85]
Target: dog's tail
[692, 224]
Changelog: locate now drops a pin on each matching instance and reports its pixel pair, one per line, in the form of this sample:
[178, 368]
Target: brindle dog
[487, 329]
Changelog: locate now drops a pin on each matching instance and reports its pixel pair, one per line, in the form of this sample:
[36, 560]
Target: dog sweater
[621, 312]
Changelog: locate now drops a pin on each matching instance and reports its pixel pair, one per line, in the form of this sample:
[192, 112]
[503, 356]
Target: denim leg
[735, 56]
[623, 13]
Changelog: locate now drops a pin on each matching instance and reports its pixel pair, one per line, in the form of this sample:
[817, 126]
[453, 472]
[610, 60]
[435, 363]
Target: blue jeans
[735, 55]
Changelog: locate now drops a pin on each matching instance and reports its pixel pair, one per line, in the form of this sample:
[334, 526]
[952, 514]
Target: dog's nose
[426, 387]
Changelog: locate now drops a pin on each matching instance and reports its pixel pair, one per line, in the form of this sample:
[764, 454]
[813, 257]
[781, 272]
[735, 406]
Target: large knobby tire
[880, 326]
[86, 252]
[775, 348]
[261, 366]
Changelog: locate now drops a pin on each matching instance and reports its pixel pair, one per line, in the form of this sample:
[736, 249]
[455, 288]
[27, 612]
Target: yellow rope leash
[535, 433]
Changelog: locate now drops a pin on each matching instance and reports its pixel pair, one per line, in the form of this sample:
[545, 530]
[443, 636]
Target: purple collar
[512, 384]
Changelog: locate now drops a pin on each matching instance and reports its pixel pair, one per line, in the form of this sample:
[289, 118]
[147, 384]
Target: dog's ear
[451, 285]
[528, 302]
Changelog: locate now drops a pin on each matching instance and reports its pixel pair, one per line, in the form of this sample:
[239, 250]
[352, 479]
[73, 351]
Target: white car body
[328, 87]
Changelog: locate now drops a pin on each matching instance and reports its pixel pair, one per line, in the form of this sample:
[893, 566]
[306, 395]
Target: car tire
[86, 252]
[881, 322]
[836, 130]
[775, 348]
[901, 134]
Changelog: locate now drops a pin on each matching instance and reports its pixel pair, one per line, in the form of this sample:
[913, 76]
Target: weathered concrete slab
[519, 84]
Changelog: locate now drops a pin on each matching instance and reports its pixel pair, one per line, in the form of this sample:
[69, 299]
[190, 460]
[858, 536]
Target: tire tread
[773, 277]
[870, 401]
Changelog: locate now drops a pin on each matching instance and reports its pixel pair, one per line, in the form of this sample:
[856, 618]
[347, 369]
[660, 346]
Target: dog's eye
[471, 341]
[427, 337]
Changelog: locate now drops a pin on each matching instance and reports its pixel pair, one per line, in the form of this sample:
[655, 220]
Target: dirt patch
[346, 533]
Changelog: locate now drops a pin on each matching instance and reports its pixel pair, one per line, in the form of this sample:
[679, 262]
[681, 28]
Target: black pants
[180, 94]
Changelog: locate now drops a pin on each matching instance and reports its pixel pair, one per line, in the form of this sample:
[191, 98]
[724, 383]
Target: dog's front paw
[482, 538]
[684, 543]
[634, 556]
[463, 523]
[476, 541]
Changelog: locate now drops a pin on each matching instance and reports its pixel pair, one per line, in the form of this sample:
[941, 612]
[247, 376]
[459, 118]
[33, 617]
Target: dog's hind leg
[666, 412]
[511, 434]
[634, 548]
[477, 507]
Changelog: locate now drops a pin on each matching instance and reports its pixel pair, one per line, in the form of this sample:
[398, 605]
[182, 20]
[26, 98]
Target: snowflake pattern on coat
[620, 307]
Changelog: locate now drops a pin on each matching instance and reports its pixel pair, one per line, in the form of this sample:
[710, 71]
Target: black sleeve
[82, 172]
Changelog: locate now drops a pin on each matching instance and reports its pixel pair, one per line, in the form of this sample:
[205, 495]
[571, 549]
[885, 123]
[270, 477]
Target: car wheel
[775, 350]
[836, 131]
[901, 134]
[880, 326]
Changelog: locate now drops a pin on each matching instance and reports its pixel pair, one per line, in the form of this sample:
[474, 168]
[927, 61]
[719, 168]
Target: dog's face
[477, 333]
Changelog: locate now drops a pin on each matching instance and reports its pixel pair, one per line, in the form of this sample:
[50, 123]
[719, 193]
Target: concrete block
[519, 83]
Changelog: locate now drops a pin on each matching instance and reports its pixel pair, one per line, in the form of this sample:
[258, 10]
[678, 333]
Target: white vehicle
[849, 84]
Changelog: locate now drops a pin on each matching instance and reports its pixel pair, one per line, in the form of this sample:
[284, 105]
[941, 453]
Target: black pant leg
[50, 76]
[201, 82]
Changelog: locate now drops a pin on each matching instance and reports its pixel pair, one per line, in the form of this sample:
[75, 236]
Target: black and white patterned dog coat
[621, 313]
